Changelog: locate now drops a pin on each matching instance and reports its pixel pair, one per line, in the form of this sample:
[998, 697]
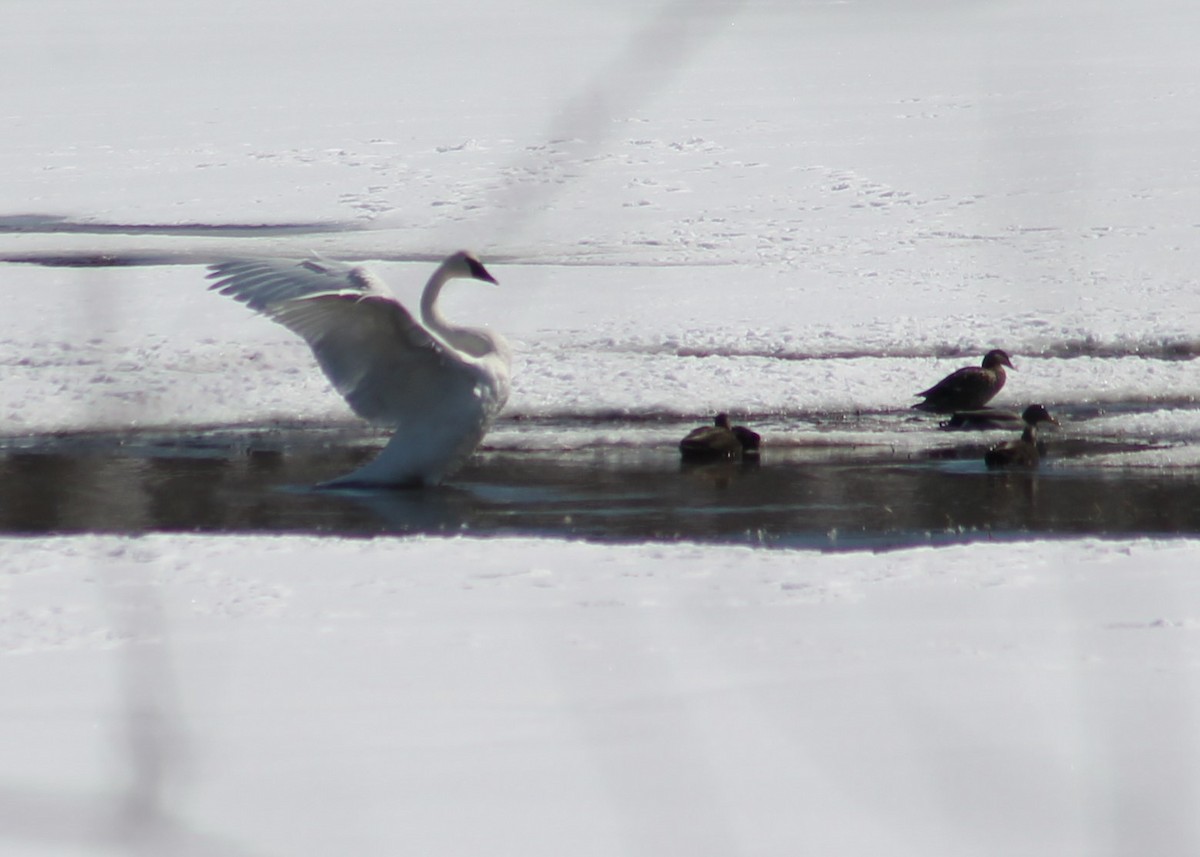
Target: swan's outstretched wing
[378, 357]
[259, 283]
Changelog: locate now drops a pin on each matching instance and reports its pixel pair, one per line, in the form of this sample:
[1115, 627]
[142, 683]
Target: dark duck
[968, 388]
[719, 440]
[982, 419]
[1026, 452]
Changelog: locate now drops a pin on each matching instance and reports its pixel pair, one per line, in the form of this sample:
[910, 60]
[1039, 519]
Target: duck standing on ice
[968, 388]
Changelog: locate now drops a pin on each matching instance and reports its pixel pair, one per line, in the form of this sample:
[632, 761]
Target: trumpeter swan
[438, 385]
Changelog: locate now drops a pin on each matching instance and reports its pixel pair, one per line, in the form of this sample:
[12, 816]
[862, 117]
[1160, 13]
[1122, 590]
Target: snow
[528, 696]
[775, 208]
[151, 347]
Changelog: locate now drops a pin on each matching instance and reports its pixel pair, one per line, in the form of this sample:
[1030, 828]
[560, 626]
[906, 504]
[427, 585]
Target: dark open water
[245, 481]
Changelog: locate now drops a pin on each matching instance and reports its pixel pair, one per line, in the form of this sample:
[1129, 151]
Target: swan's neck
[460, 338]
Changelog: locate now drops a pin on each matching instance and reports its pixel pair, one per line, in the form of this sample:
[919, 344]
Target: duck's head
[1035, 414]
[995, 358]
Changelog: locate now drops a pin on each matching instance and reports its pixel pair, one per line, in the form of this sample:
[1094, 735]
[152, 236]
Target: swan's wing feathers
[371, 324]
[385, 364]
[260, 283]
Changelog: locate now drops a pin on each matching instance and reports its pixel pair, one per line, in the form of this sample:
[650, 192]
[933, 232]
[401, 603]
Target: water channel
[832, 496]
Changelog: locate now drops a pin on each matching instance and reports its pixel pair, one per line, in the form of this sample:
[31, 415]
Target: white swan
[439, 385]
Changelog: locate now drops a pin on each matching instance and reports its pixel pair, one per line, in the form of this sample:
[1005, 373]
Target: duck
[748, 438]
[982, 419]
[438, 386]
[1026, 452]
[968, 388]
[719, 440]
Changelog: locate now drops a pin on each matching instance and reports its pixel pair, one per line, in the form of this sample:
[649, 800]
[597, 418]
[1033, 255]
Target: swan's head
[995, 358]
[466, 264]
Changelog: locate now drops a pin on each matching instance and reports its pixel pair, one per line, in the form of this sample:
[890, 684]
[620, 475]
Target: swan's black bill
[479, 272]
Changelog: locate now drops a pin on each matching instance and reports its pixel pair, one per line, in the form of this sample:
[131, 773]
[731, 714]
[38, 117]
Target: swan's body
[719, 440]
[438, 385]
[1026, 452]
[969, 388]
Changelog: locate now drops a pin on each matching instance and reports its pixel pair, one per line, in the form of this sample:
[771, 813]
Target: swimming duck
[1025, 452]
[749, 439]
[719, 440]
[968, 388]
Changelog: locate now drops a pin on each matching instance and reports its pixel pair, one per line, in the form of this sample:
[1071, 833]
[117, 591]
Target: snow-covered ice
[317, 696]
[799, 216]
[776, 208]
